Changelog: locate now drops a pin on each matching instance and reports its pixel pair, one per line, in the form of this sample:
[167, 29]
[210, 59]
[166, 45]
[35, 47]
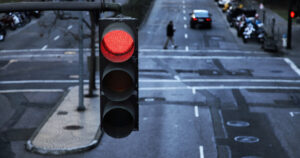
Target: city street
[212, 97]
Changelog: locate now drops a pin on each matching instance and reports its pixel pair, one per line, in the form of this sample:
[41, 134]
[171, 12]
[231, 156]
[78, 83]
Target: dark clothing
[170, 30]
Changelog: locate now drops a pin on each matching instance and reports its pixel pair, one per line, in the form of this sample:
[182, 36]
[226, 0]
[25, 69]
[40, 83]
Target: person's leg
[166, 43]
[173, 43]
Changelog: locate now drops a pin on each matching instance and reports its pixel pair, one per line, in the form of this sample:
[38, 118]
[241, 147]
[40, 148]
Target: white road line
[186, 36]
[193, 91]
[183, 2]
[183, 6]
[292, 65]
[219, 88]
[185, 26]
[201, 152]
[30, 90]
[196, 111]
[186, 48]
[56, 38]
[149, 99]
[45, 47]
[141, 50]
[177, 80]
[183, 11]
[294, 113]
[220, 80]
[203, 51]
[70, 27]
[206, 57]
[184, 18]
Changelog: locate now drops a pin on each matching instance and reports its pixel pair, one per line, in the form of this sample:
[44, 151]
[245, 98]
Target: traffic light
[293, 14]
[118, 39]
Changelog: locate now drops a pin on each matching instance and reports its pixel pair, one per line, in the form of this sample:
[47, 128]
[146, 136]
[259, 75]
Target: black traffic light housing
[118, 79]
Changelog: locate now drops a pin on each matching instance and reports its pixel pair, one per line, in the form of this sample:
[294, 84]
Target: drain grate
[73, 127]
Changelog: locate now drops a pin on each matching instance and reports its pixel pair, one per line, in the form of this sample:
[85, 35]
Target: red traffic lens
[117, 46]
[292, 14]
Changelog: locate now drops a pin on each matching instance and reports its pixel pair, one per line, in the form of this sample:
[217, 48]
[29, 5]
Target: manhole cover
[238, 123]
[62, 113]
[73, 127]
[246, 139]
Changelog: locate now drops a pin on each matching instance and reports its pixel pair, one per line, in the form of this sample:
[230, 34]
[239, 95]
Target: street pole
[81, 106]
[289, 31]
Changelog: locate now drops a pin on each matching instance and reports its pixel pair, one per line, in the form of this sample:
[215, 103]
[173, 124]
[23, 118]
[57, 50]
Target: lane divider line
[196, 111]
[201, 151]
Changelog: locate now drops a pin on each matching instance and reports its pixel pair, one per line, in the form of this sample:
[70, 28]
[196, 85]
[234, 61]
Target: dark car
[201, 18]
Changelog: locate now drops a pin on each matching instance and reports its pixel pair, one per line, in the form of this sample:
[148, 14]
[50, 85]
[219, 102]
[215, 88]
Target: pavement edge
[32, 148]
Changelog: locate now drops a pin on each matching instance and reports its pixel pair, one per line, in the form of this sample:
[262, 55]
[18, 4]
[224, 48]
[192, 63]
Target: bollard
[284, 41]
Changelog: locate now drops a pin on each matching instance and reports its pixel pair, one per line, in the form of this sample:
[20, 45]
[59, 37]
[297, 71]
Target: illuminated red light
[292, 14]
[195, 19]
[208, 19]
[117, 46]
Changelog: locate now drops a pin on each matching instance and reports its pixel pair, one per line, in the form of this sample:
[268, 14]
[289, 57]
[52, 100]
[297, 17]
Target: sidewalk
[280, 27]
[66, 130]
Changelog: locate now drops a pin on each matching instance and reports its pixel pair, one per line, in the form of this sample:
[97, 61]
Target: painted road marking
[70, 27]
[292, 65]
[185, 26]
[222, 87]
[196, 111]
[70, 53]
[184, 18]
[203, 51]
[74, 76]
[9, 63]
[193, 91]
[294, 113]
[186, 36]
[141, 50]
[45, 47]
[177, 80]
[201, 152]
[186, 48]
[205, 57]
[183, 6]
[183, 12]
[220, 80]
[30, 90]
[56, 38]
[149, 99]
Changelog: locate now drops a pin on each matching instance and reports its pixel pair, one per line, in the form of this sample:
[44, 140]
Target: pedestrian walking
[170, 34]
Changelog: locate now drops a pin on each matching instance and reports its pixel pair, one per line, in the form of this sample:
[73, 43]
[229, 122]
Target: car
[200, 17]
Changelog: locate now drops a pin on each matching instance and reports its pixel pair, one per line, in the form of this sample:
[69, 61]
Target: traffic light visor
[117, 46]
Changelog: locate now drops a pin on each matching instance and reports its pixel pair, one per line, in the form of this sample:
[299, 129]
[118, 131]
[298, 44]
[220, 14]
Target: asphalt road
[211, 97]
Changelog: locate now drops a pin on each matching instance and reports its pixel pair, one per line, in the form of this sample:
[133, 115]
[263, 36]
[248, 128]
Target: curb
[29, 146]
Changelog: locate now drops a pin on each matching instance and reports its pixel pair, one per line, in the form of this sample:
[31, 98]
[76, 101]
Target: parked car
[201, 18]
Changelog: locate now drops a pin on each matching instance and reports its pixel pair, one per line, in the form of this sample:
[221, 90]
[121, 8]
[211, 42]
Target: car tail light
[194, 19]
[208, 19]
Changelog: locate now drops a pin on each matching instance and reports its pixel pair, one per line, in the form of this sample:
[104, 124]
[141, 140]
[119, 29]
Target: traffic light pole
[289, 31]
[81, 106]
